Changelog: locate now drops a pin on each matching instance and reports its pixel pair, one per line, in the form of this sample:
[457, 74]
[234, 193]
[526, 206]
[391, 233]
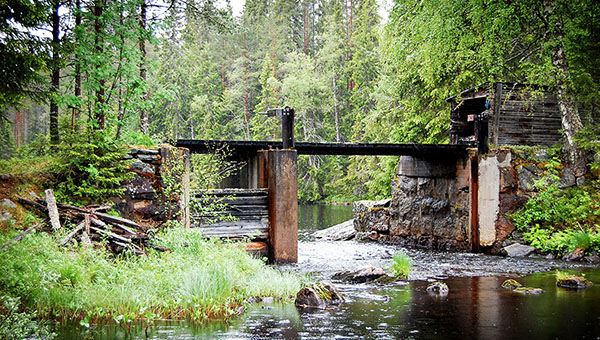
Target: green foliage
[401, 265]
[560, 220]
[201, 278]
[16, 324]
[89, 168]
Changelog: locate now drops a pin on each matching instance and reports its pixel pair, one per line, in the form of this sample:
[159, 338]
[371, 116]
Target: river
[476, 307]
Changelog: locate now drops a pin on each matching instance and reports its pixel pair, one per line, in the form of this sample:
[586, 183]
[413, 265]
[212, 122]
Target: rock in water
[319, 295]
[574, 282]
[528, 290]
[517, 250]
[339, 232]
[438, 288]
[511, 284]
[361, 275]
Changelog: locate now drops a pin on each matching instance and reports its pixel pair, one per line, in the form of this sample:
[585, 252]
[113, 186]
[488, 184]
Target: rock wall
[429, 207]
[432, 202]
[144, 197]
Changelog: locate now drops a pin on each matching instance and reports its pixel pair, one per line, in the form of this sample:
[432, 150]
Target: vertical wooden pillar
[283, 205]
[474, 190]
[263, 169]
[287, 127]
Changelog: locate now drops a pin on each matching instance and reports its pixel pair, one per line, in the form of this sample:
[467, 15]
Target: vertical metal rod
[287, 127]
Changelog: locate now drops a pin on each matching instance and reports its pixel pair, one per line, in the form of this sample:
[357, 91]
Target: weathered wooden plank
[240, 200]
[232, 192]
[23, 234]
[52, 209]
[236, 233]
[237, 224]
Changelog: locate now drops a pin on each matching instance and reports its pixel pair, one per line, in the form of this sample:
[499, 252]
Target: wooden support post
[263, 169]
[474, 190]
[283, 205]
[287, 127]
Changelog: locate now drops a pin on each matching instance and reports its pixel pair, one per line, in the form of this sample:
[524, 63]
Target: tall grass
[200, 279]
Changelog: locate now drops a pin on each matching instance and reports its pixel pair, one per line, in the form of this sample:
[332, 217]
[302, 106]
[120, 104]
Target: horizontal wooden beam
[310, 148]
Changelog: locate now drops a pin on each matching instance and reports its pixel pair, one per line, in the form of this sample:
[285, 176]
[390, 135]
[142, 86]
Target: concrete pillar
[283, 205]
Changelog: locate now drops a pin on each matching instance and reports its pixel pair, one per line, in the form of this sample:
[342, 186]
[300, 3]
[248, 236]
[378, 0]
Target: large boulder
[517, 250]
[320, 295]
[339, 232]
[573, 282]
[576, 255]
[361, 275]
[437, 288]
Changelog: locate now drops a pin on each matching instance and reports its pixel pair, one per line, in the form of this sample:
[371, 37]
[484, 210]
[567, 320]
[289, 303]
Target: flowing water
[476, 307]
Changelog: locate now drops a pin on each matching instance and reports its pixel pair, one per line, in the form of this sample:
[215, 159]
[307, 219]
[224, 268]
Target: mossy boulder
[511, 284]
[320, 295]
[574, 282]
[528, 290]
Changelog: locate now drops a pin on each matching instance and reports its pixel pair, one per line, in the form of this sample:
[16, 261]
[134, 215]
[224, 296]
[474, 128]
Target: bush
[15, 324]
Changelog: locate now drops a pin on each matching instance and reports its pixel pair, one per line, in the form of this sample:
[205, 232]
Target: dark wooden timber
[311, 148]
[287, 128]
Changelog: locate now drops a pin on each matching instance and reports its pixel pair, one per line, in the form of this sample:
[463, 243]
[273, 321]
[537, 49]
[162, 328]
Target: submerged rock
[319, 295]
[339, 232]
[574, 282]
[517, 250]
[528, 290]
[361, 275]
[511, 284]
[438, 288]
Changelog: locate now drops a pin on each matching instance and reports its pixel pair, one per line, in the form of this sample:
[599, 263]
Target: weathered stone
[508, 179]
[575, 255]
[370, 213]
[268, 300]
[147, 152]
[148, 158]
[142, 167]
[541, 155]
[580, 181]
[574, 282]
[567, 178]
[592, 259]
[438, 288]
[528, 290]
[139, 188]
[7, 204]
[320, 295]
[339, 232]
[5, 216]
[517, 250]
[526, 179]
[511, 284]
[361, 275]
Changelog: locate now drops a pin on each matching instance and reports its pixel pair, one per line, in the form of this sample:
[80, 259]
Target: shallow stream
[476, 307]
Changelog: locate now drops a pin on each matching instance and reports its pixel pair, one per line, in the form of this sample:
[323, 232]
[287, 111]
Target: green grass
[200, 279]
[401, 265]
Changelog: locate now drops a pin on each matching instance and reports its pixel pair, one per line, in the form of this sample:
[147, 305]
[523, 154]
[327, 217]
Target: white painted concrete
[489, 199]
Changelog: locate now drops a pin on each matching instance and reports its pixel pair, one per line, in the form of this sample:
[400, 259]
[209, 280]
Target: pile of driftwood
[92, 226]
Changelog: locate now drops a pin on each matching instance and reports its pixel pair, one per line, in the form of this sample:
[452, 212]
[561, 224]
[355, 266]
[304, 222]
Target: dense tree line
[172, 69]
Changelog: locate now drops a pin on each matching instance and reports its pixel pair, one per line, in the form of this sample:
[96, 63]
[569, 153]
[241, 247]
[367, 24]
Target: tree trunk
[571, 122]
[335, 109]
[246, 108]
[144, 111]
[55, 73]
[76, 109]
[100, 93]
[121, 110]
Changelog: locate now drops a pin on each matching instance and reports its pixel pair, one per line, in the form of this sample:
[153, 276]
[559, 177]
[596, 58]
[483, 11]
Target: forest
[149, 71]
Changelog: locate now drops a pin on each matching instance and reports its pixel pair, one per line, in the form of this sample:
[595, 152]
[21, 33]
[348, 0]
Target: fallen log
[77, 229]
[23, 234]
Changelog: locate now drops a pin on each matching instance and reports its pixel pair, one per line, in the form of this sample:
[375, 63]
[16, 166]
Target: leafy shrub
[15, 324]
[558, 219]
[401, 265]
